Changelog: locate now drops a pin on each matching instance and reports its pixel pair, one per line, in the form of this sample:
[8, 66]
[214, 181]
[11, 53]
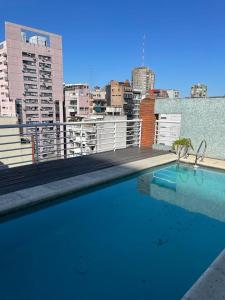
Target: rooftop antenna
[143, 50]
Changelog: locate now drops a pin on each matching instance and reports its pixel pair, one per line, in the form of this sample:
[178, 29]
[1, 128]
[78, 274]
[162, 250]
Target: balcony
[30, 88]
[46, 89]
[44, 58]
[31, 108]
[29, 67]
[30, 79]
[28, 59]
[28, 71]
[46, 102]
[30, 94]
[72, 109]
[31, 101]
[32, 114]
[46, 95]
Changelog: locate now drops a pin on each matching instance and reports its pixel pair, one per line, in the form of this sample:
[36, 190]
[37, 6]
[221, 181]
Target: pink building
[31, 77]
[76, 100]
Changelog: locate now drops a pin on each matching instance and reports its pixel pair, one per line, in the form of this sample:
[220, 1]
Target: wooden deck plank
[18, 178]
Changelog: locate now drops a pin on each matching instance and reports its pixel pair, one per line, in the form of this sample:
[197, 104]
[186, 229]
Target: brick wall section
[147, 115]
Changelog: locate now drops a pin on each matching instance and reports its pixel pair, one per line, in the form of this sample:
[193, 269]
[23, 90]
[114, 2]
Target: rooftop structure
[159, 93]
[172, 94]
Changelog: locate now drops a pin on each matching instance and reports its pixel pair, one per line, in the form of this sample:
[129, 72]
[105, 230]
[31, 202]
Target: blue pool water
[147, 237]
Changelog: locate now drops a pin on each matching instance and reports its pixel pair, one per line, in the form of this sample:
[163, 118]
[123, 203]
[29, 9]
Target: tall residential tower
[31, 78]
[143, 79]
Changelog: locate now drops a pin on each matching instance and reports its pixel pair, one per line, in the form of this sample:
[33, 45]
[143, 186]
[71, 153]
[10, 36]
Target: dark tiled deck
[15, 179]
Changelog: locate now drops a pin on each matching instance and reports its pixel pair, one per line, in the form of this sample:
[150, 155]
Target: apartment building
[6, 105]
[114, 94]
[143, 79]
[97, 101]
[128, 104]
[199, 91]
[119, 97]
[173, 94]
[76, 100]
[91, 136]
[31, 79]
[137, 97]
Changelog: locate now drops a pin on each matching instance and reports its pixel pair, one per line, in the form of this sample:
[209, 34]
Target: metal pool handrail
[179, 156]
[201, 157]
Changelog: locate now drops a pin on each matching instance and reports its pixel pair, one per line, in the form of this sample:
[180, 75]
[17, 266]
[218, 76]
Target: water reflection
[201, 191]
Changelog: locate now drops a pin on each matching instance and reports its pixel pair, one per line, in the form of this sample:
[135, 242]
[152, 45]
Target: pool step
[165, 178]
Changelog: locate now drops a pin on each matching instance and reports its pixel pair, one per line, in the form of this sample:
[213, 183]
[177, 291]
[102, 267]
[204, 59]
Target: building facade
[6, 105]
[128, 104]
[143, 79]
[158, 93]
[97, 101]
[31, 77]
[137, 97]
[119, 97]
[199, 91]
[91, 136]
[76, 101]
[114, 94]
[173, 94]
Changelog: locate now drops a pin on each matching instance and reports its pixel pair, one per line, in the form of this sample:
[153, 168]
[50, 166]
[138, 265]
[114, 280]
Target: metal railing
[34, 143]
[166, 132]
[199, 156]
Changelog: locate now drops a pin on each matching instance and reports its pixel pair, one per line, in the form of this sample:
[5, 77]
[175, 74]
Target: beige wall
[17, 144]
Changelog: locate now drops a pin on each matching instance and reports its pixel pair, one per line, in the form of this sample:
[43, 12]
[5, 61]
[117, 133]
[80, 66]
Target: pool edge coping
[30, 197]
[211, 284]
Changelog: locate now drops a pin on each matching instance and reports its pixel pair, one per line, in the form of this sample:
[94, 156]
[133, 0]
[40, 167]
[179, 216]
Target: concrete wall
[23, 153]
[200, 119]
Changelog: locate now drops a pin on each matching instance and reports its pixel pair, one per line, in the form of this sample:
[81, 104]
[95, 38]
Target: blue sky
[185, 39]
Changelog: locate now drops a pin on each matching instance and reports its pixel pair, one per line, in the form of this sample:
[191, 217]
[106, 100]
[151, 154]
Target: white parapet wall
[10, 139]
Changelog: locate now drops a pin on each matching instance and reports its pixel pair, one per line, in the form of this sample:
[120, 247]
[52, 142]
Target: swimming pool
[149, 236]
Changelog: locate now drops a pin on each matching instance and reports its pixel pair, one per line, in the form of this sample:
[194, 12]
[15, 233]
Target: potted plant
[181, 147]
